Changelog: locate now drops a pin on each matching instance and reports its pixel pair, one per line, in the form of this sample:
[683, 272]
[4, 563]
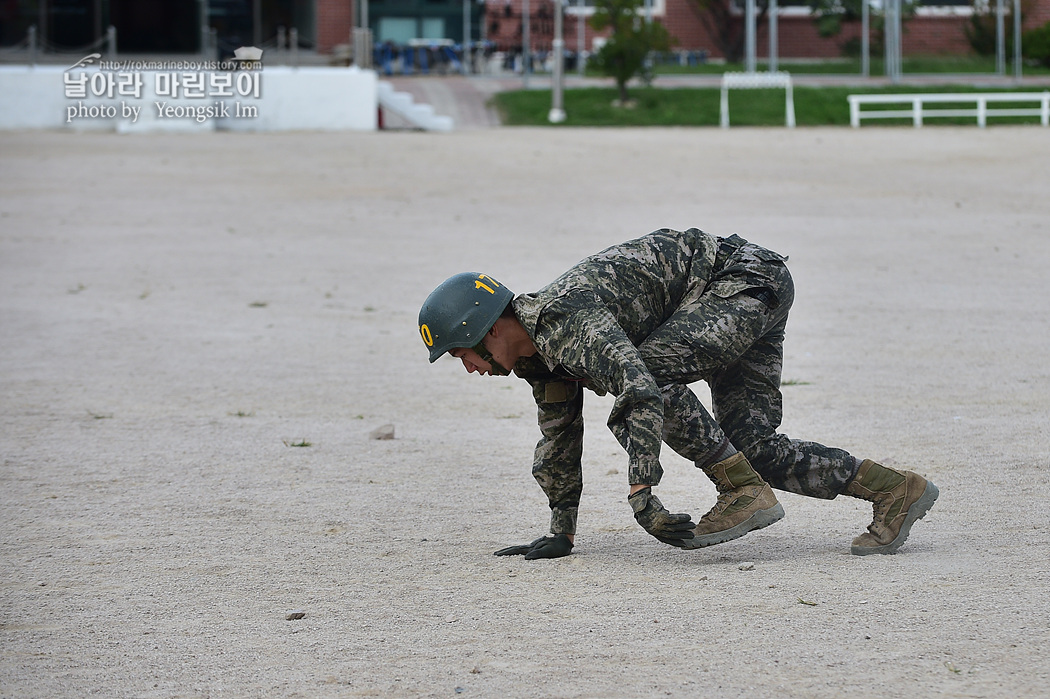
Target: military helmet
[460, 311]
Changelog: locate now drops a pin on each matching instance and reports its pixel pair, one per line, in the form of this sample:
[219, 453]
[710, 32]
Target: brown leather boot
[745, 503]
[901, 498]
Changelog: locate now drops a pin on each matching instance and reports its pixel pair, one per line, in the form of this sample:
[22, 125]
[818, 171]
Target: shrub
[1035, 45]
[980, 30]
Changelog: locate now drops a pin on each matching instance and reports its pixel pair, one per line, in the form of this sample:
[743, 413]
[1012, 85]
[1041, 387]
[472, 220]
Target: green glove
[544, 547]
[655, 519]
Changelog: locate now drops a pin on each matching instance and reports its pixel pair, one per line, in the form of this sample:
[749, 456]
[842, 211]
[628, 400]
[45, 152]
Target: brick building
[175, 25]
[334, 20]
[934, 30]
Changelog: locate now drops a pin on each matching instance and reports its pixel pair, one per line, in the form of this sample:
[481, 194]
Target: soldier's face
[472, 361]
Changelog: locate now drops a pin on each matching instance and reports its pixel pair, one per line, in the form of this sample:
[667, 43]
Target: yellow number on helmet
[425, 332]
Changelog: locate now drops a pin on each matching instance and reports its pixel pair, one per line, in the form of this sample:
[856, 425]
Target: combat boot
[901, 498]
[745, 503]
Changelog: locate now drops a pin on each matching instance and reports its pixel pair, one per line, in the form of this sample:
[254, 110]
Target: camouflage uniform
[644, 319]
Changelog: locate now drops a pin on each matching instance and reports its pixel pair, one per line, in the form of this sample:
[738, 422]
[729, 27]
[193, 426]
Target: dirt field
[198, 334]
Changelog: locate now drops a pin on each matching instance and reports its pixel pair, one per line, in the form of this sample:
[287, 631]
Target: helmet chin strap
[483, 352]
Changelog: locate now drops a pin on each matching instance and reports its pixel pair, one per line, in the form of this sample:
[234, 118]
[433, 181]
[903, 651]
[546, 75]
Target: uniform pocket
[559, 391]
[754, 271]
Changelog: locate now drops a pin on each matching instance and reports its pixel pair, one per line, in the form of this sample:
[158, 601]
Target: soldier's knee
[761, 451]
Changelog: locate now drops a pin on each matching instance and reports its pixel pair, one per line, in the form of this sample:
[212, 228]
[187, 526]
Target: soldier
[641, 321]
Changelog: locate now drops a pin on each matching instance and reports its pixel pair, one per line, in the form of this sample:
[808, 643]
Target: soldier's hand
[544, 547]
[655, 519]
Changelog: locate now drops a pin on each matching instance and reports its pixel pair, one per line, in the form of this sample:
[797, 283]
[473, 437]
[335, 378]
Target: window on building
[586, 7]
[398, 30]
[433, 28]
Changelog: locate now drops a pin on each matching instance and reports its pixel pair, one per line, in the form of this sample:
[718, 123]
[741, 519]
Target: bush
[980, 31]
[1035, 45]
[851, 48]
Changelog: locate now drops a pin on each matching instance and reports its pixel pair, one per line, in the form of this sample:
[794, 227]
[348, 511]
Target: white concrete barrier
[130, 101]
[314, 99]
[31, 97]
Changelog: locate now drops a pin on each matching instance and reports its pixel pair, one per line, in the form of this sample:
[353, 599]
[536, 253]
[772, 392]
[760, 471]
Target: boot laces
[724, 500]
[881, 508]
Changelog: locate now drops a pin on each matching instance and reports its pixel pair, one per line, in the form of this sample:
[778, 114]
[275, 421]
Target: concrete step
[401, 104]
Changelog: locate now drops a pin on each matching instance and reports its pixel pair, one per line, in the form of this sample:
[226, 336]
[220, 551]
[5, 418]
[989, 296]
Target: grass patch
[814, 106]
[914, 65]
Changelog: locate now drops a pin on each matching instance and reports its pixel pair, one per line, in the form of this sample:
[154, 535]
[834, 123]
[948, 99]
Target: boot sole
[759, 520]
[916, 512]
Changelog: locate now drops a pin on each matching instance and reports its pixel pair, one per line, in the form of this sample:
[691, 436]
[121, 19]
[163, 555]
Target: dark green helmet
[460, 311]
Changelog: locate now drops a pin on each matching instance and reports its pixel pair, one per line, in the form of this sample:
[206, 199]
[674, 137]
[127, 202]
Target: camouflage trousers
[735, 344]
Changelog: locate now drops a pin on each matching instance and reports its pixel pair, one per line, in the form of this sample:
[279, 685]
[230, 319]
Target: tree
[981, 32]
[725, 24]
[830, 14]
[623, 55]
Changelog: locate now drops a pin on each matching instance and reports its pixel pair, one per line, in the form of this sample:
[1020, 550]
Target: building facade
[933, 30]
[165, 26]
[180, 26]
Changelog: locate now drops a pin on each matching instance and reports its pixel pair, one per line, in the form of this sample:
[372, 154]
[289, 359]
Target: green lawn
[915, 65]
[814, 106]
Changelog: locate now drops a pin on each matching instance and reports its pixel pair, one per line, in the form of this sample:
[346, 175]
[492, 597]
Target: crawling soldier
[642, 320]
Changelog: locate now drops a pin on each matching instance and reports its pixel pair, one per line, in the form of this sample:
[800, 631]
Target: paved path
[466, 98]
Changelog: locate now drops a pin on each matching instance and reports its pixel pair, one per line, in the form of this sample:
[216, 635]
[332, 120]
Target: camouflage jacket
[586, 326]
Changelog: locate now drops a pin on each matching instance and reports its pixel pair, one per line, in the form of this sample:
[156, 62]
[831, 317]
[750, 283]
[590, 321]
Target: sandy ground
[178, 313]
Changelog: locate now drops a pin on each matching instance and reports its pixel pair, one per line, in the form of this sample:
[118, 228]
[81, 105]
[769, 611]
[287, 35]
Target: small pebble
[746, 566]
[384, 432]
[450, 618]
[295, 614]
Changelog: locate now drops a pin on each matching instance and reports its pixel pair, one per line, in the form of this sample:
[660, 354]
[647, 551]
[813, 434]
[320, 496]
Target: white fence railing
[917, 109]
